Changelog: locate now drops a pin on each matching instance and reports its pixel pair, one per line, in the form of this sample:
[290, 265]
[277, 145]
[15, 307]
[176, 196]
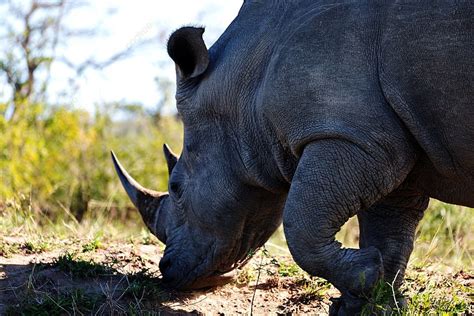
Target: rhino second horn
[171, 158]
[146, 201]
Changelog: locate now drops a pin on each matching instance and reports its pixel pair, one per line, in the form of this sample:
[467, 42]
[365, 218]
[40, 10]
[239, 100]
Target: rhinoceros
[308, 113]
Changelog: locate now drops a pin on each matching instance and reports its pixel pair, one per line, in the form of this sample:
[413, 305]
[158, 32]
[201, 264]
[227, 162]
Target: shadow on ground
[69, 286]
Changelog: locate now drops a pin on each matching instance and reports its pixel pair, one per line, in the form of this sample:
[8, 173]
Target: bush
[59, 158]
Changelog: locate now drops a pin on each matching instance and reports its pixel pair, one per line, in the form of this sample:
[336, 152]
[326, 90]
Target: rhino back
[322, 81]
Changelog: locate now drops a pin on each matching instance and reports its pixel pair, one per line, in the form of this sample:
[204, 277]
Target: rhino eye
[176, 189]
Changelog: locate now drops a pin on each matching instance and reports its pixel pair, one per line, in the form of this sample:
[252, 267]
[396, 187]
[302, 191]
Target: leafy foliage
[57, 160]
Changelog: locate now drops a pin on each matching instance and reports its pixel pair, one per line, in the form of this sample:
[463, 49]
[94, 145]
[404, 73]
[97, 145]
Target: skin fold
[307, 113]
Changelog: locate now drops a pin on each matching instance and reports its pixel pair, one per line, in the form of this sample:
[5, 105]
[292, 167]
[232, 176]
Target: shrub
[59, 158]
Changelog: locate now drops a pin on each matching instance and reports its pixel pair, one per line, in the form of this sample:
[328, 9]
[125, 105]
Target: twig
[138, 302]
[185, 303]
[256, 284]
[392, 286]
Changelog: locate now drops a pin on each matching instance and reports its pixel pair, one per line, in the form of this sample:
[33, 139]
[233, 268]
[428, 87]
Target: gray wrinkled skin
[312, 112]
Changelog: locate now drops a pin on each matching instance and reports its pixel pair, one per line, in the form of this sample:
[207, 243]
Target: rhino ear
[186, 47]
[171, 158]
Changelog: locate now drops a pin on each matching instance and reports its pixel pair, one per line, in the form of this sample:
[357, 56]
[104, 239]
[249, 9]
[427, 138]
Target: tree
[32, 33]
[33, 30]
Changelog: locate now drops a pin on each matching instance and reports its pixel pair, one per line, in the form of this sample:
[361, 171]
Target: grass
[93, 245]
[9, 249]
[445, 237]
[80, 268]
[289, 269]
[142, 284]
[36, 246]
[57, 304]
[429, 293]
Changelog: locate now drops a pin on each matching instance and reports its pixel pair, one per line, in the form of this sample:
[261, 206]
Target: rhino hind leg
[390, 226]
[334, 180]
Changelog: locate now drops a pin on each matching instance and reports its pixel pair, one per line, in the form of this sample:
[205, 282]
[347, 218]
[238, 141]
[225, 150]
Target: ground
[91, 276]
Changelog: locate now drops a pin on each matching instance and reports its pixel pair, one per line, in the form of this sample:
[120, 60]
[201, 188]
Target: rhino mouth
[214, 280]
[178, 273]
[192, 280]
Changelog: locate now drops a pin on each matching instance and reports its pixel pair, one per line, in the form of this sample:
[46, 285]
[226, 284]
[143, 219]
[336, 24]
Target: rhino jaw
[212, 281]
[148, 202]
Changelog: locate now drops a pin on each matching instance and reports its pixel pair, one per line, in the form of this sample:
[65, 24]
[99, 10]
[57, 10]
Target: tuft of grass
[433, 293]
[36, 246]
[427, 293]
[81, 268]
[245, 276]
[316, 287]
[144, 285]
[92, 245]
[426, 303]
[383, 300]
[289, 269]
[9, 249]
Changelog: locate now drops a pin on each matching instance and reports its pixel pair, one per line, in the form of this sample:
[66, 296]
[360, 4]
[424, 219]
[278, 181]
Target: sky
[132, 80]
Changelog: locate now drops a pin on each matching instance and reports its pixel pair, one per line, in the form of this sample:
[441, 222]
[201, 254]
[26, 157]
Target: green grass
[289, 269]
[80, 268]
[93, 245]
[143, 284]
[445, 237]
[74, 302]
[8, 249]
[428, 293]
[431, 292]
[36, 246]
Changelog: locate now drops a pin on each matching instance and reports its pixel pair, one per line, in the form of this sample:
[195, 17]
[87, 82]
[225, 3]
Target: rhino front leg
[390, 226]
[334, 180]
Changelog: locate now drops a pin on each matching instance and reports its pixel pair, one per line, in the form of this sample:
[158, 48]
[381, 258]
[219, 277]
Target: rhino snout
[178, 278]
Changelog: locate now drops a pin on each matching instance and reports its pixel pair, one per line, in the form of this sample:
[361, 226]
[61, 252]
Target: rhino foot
[346, 305]
[349, 304]
[366, 269]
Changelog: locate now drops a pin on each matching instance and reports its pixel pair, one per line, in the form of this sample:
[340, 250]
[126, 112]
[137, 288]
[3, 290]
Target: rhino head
[219, 209]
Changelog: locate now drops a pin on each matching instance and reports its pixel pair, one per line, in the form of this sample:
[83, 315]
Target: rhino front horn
[148, 202]
[171, 158]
